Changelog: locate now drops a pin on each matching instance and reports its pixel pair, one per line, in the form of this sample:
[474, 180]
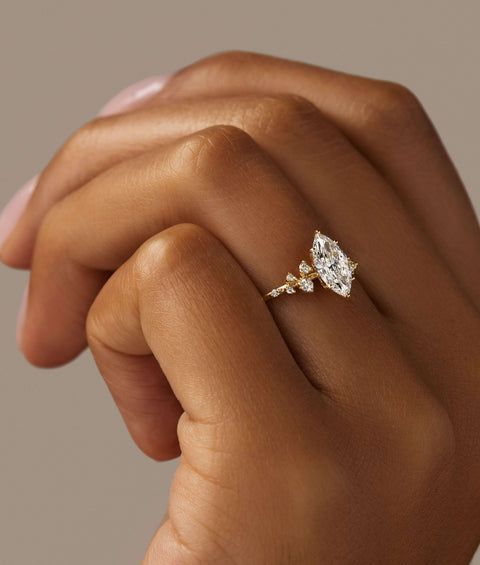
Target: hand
[316, 429]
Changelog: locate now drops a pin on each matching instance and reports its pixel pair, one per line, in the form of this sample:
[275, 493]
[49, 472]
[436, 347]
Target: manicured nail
[21, 316]
[15, 208]
[134, 94]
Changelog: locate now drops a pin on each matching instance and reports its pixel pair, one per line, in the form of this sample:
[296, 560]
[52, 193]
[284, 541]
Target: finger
[384, 120]
[330, 181]
[244, 199]
[96, 146]
[241, 197]
[342, 189]
[102, 143]
[184, 299]
[246, 202]
[143, 396]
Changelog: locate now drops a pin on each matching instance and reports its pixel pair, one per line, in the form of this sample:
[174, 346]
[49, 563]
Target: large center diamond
[333, 266]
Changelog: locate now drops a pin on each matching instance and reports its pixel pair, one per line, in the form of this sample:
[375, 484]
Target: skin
[314, 429]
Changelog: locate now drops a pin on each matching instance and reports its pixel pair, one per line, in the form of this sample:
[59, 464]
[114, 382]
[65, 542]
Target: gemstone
[332, 265]
[306, 285]
[291, 278]
[274, 293]
[304, 268]
[291, 290]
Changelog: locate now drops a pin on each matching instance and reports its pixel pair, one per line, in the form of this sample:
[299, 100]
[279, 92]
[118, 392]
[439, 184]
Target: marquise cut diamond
[333, 266]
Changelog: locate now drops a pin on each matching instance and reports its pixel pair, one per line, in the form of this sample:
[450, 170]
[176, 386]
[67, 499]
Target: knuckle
[220, 144]
[218, 63]
[84, 141]
[392, 106]
[163, 255]
[279, 115]
[210, 70]
[213, 153]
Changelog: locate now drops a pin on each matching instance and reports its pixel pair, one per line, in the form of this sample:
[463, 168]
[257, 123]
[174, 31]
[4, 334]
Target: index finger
[184, 298]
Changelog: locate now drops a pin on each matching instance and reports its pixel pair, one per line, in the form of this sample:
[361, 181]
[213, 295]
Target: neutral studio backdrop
[73, 489]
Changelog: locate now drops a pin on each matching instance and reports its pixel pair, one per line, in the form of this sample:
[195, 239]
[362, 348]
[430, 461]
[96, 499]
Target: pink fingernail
[15, 208]
[21, 316]
[133, 94]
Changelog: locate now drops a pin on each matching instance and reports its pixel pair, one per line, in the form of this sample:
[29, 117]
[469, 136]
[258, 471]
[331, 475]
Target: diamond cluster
[330, 264]
[304, 281]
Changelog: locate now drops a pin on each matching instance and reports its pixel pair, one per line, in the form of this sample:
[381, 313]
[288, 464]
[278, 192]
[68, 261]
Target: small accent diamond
[291, 278]
[274, 293]
[306, 285]
[304, 268]
[291, 290]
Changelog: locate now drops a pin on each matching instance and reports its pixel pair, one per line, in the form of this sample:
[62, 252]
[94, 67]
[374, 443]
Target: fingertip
[43, 361]
[15, 260]
[46, 353]
[161, 452]
[155, 432]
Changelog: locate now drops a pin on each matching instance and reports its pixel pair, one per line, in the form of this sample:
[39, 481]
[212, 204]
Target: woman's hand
[314, 430]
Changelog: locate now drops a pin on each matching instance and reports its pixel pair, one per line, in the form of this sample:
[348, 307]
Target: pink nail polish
[21, 316]
[15, 208]
[134, 94]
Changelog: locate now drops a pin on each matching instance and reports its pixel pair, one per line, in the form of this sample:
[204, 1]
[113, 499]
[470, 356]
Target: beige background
[73, 490]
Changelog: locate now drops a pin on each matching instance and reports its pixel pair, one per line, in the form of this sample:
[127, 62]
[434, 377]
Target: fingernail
[133, 94]
[15, 208]
[21, 316]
